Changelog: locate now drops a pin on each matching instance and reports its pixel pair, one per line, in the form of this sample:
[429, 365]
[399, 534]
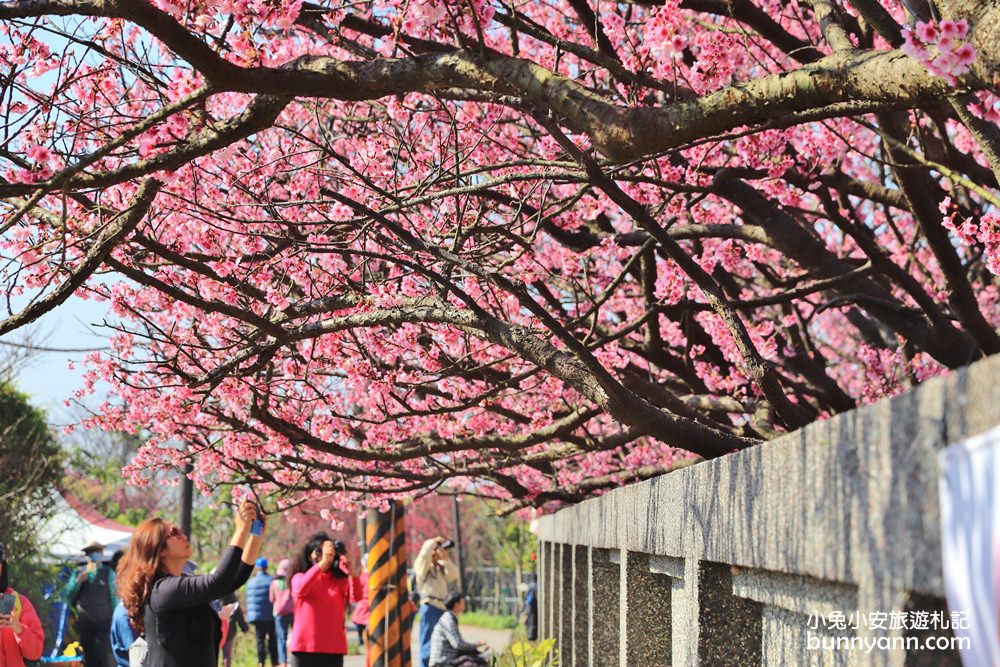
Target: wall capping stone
[841, 515]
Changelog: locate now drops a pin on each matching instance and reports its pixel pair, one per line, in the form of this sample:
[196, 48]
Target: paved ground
[497, 639]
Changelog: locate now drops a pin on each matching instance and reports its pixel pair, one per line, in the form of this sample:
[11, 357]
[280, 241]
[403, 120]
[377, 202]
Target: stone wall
[733, 561]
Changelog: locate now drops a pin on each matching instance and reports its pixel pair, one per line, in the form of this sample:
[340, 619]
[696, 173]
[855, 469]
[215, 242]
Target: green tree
[30, 465]
[31, 462]
[93, 474]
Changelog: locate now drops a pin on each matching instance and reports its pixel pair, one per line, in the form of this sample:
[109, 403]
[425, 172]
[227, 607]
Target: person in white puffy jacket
[436, 578]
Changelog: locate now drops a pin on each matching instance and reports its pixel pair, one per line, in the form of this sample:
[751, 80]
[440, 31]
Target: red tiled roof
[92, 515]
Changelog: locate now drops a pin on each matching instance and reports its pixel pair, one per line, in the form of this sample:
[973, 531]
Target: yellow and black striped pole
[391, 612]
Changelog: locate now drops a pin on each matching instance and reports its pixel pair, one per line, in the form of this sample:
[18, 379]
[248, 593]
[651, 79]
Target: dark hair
[315, 543]
[4, 579]
[303, 561]
[453, 599]
[116, 558]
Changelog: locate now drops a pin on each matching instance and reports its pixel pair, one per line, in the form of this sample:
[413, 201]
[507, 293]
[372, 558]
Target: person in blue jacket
[122, 635]
[122, 632]
[261, 615]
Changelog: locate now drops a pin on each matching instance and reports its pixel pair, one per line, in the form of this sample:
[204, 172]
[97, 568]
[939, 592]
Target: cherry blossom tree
[530, 249]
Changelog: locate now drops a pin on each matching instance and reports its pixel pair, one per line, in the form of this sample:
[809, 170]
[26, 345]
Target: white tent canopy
[74, 524]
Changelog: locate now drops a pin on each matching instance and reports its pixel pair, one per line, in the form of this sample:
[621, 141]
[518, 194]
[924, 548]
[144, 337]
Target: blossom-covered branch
[534, 251]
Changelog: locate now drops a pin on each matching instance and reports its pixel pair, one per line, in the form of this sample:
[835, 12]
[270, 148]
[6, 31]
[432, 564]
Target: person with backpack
[173, 610]
[260, 613]
[91, 594]
[283, 607]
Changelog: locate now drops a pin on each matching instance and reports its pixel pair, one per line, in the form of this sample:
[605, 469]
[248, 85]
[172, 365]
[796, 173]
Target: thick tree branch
[889, 79]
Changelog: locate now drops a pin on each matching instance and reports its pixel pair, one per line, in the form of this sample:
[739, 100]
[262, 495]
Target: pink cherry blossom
[941, 50]
[38, 154]
[928, 32]
[954, 29]
[965, 55]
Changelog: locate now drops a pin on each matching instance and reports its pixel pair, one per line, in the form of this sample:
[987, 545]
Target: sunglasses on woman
[173, 531]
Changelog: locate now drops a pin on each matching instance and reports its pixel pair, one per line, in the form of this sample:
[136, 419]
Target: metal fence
[493, 590]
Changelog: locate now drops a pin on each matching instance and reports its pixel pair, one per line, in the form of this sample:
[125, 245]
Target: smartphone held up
[242, 494]
[7, 604]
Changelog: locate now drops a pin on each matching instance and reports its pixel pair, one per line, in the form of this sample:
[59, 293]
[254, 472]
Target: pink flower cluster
[42, 169]
[281, 14]
[985, 232]
[987, 108]
[941, 47]
[434, 18]
[662, 35]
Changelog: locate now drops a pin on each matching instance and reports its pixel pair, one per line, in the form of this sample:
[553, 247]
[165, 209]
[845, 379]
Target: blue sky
[48, 379]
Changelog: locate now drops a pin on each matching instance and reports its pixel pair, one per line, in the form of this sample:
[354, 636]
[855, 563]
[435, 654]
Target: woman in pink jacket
[321, 591]
[21, 634]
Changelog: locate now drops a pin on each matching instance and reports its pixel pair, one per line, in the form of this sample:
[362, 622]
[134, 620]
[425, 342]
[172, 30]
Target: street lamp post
[458, 543]
[187, 499]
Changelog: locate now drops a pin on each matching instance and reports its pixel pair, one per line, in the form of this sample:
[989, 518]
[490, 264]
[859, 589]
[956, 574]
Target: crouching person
[448, 649]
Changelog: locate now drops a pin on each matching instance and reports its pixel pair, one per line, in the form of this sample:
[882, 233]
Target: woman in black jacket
[172, 609]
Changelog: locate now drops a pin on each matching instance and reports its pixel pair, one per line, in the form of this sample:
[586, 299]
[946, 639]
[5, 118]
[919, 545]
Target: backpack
[93, 599]
[137, 652]
[284, 605]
